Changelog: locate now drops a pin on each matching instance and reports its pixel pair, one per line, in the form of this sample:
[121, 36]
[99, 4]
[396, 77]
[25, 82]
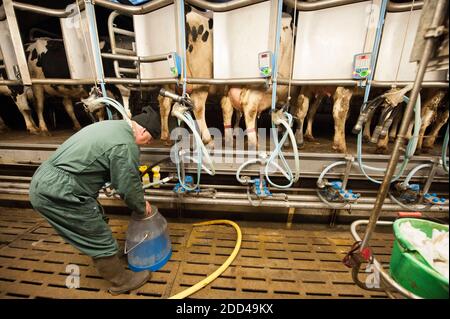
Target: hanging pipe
[278, 119]
[445, 150]
[428, 50]
[182, 114]
[410, 148]
[90, 13]
[182, 34]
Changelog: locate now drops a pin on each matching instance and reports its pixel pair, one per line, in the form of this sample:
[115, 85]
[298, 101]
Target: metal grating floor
[273, 262]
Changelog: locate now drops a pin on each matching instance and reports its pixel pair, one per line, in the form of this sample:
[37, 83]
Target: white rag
[434, 249]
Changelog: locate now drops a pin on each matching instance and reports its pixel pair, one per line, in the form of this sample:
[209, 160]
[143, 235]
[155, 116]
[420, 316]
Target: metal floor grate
[272, 263]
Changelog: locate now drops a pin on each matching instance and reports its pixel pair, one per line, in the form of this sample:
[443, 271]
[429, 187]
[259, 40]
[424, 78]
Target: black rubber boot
[122, 280]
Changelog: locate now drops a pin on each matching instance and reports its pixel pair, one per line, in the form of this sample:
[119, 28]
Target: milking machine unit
[181, 110]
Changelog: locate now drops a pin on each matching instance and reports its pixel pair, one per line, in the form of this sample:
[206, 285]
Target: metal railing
[129, 55]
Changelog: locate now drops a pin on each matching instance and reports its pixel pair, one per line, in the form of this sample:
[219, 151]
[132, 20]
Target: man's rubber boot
[122, 280]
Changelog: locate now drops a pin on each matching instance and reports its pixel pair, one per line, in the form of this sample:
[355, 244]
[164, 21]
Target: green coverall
[65, 188]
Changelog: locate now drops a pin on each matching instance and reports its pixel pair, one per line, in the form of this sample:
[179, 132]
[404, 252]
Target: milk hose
[445, 150]
[222, 268]
[410, 149]
[278, 153]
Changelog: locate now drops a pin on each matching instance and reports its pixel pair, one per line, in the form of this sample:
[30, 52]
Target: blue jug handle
[125, 249]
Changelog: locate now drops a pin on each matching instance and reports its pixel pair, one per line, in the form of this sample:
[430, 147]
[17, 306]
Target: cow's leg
[227, 111]
[38, 92]
[3, 127]
[382, 145]
[341, 106]
[441, 119]
[311, 114]
[101, 114]
[199, 99]
[164, 111]
[366, 131]
[250, 112]
[236, 128]
[300, 114]
[125, 93]
[22, 103]
[68, 105]
[395, 126]
[428, 114]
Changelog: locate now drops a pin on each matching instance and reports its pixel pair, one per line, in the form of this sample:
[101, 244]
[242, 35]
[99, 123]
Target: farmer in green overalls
[65, 188]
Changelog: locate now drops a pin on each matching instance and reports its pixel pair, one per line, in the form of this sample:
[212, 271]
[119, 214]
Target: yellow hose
[221, 269]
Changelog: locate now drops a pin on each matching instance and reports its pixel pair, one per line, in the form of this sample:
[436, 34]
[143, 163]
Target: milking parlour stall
[246, 151]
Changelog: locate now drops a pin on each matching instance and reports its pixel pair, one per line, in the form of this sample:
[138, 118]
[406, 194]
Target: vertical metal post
[348, 169]
[17, 42]
[430, 178]
[93, 35]
[180, 25]
[430, 45]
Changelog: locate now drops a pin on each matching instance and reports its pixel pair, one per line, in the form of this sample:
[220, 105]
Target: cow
[46, 58]
[252, 100]
[199, 61]
[341, 105]
[21, 96]
[434, 112]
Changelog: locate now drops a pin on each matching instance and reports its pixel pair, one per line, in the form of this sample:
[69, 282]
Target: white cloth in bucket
[434, 249]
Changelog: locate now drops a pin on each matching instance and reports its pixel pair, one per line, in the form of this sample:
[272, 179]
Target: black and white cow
[46, 58]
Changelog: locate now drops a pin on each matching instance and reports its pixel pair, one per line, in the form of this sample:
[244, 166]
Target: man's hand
[148, 208]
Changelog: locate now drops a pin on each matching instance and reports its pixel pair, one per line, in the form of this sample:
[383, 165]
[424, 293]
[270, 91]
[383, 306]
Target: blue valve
[433, 199]
[260, 188]
[188, 181]
[334, 192]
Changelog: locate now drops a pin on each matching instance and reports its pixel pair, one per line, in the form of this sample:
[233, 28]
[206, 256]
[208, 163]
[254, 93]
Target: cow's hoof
[165, 137]
[45, 133]
[418, 151]
[309, 138]
[77, 128]
[381, 150]
[392, 139]
[209, 145]
[168, 142]
[366, 138]
[426, 149]
[339, 148]
[300, 146]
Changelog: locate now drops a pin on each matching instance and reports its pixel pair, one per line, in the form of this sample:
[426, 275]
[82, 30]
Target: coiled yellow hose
[221, 269]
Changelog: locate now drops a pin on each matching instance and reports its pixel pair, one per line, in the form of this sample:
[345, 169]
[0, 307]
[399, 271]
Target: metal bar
[223, 7]
[112, 39]
[233, 201]
[10, 82]
[226, 81]
[430, 178]
[348, 169]
[430, 84]
[17, 42]
[128, 70]
[318, 5]
[125, 51]
[123, 32]
[320, 82]
[59, 13]
[133, 10]
[399, 142]
[401, 7]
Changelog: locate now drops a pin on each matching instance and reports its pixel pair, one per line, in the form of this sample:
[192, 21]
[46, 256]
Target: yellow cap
[156, 169]
[143, 168]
